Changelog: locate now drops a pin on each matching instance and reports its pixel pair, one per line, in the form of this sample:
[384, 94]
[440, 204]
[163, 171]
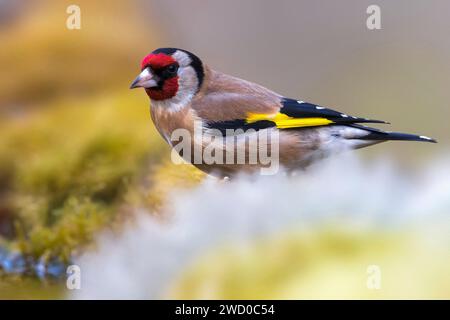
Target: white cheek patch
[187, 80]
[182, 58]
[187, 87]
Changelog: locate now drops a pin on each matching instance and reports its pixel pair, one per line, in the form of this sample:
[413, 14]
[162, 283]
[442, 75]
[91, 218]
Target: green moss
[77, 222]
[68, 168]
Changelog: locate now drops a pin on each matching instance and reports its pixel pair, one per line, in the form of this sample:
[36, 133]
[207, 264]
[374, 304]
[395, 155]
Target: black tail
[379, 135]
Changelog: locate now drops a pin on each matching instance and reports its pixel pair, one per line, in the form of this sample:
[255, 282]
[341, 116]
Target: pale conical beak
[144, 80]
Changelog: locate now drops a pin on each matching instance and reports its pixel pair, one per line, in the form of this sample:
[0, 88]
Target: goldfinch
[186, 94]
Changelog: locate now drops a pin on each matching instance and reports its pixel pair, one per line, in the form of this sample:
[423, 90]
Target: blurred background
[80, 157]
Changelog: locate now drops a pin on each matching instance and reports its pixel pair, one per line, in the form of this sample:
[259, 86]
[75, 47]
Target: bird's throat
[168, 89]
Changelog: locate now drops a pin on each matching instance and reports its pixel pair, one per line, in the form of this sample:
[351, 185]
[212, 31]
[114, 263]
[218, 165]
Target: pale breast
[167, 122]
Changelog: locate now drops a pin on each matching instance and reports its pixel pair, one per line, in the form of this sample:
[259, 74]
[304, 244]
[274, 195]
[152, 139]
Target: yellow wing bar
[283, 121]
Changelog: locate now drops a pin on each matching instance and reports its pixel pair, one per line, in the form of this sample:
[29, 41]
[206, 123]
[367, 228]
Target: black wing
[293, 114]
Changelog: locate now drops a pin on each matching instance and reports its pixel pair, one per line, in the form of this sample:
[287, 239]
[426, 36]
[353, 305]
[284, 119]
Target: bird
[186, 94]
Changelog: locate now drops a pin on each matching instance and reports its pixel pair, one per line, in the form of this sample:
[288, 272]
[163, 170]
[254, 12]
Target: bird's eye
[172, 68]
